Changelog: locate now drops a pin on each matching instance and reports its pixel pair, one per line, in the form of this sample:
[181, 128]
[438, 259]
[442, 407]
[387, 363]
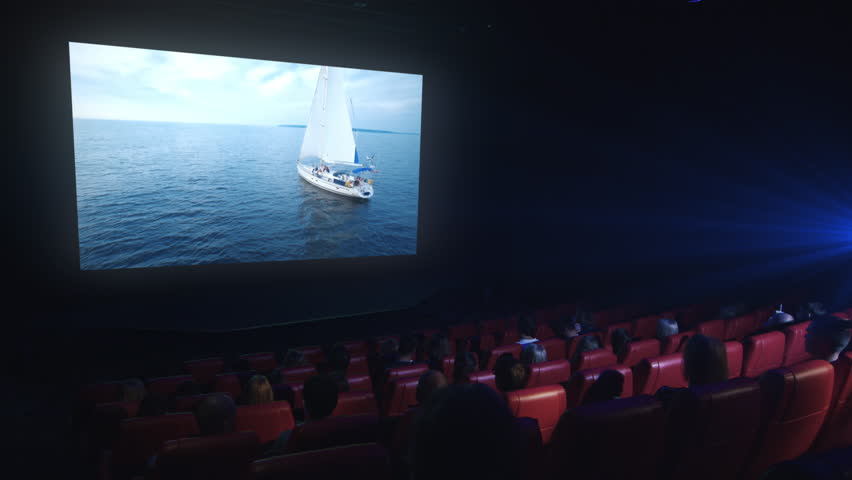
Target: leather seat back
[369, 461]
[580, 382]
[794, 344]
[639, 350]
[655, 372]
[268, 420]
[355, 403]
[549, 373]
[334, 432]
[222, 457]
[762, 353]
[601, 357]
[546, 404]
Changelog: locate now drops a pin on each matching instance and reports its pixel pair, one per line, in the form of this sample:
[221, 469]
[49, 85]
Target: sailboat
[329, 156]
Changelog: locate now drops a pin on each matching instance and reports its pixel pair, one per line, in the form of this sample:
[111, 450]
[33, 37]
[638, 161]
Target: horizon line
[231, 124]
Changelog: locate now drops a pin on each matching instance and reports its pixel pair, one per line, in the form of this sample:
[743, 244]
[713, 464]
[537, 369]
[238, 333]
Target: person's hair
[275, 377]
[216, 414]
[465, 364]
[526, 325]
[533, 353]
[620, 341]
[133, 390]
[816, 308]
[407, 345]
[827, 336]
[585, 319]
[666, 327]
[438, 346]
[153, 405]
[339, 357]
[511, 375]
[430, 382]
[608, 386]
[294, 358]
[461, 422]
[778, 319]
[320, 396]
[587, 343]
[187, 388]
[259, 391]
[705, 360]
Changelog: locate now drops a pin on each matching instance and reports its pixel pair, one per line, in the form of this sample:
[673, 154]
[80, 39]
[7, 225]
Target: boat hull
[364, 192]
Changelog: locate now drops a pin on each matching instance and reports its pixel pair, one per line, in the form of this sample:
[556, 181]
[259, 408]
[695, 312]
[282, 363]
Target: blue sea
[153, 194]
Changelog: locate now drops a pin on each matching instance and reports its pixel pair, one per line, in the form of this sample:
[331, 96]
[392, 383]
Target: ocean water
[153, 194]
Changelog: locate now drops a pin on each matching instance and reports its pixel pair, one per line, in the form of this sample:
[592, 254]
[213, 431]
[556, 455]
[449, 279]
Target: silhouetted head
[133, 390]
[294, 358]
[620, 341]
[153, 405]
[430, 382]
[320, 396]
[258, 390]
[666, 327]
[511, 375]
[587, 343]
[779, 319]
[438, 346]
[827, 336]
[407, 346]
[339, 357]
[216, 414]
[526, 325]
[533, 353]
[705, 360]
[464, 422]
[608, 386]
[465, 364]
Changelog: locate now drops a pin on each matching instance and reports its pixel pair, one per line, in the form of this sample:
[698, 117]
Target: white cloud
[102, 61]
[277, 84]
[256, 75]
[194, 66]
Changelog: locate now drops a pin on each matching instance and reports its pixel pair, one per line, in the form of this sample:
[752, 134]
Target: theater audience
[338, 364]
[294, 358]
[430, 382]
[437, 348]
[464, 422]
[216, 414]
[705, 361]
[526, 327]
[776, 321]
[510, 374]
[620, 341]
[608, 386]
[465, 365]
[666, 327]
[587, 343]
[132, 390]
[320, 397]
[533, 353]
[565, 328]
[827, 337]
[258, 391]
[810, 310]
[405, 352]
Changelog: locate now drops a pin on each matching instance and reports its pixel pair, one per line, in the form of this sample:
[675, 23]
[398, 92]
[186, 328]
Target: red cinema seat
[794, 344]
[509, 337]
[646, 327]
[290, 392]
[228, 383]
[640, 350]
[224, 457]
[334, 432]
[355, 403]
[713, 328]
[837, 429]
[406, 371]
[674, 343]
[130, 408]
[358, 366]
[734, 350]
[399, 394]
[712, 428]
[357, 348]
[369, 461]
[580, 382]
[627, 326]
[268, 420]
[260, 362]
[663, 371]
[601, 357]
[484, 376]
[574, 342]
[762, 353]
[549, 373]
[374, 344]
[166, 386]
[546, 404]
[359, 383]
[586, 438]
[796, 400]
[447, 367]
[740, 327]
[544, 316]
[543, 331]
[556, 348]
[204, 370]
[142, 437]
[313, 354]
[101, 393]
[512, 348]
[461, 331]
[298, 374]
[189, 402]
[494, 326]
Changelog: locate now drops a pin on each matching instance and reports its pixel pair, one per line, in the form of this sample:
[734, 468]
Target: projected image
[185, 159]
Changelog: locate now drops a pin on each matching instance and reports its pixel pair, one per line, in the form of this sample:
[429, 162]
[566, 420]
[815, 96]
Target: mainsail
[328, 136]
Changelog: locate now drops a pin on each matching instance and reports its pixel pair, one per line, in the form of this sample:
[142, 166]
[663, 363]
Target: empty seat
[762, 353]
[712, 328]
[204, 370]
[399, 394]
[353, 462]
[359, 383]
[545, 403]
[142, 437]
[549, 373]
[512, 348]
[556, 348]
[711, 429]
[674, 343]
[461, 331]
[574, 342]
[189, 402]
[662, 371]
[334, 432]
[228, 383]
[358, 366]
[543, 331]
[355, 403]
[580, 382]
[639, 350]
[627, 326]
[795, 403]
[601, 357]
[298, 374]
[509, 336]
[794, 344]
[261, 361]
[356, 348]
[313, 353]
[837, 429]
[615, 439]
[740, 327]
[484, 376]
[406, 371]
[734, 350]
[646, 327]
[167, 385]
[268, 420]
[227, 456]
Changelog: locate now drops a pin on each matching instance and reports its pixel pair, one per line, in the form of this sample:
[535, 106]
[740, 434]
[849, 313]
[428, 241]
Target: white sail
[328, 136]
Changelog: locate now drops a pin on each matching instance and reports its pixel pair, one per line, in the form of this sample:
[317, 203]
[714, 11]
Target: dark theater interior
[630, 255]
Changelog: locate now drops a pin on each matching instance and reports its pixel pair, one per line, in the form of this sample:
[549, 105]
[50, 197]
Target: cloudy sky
[122, 83]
